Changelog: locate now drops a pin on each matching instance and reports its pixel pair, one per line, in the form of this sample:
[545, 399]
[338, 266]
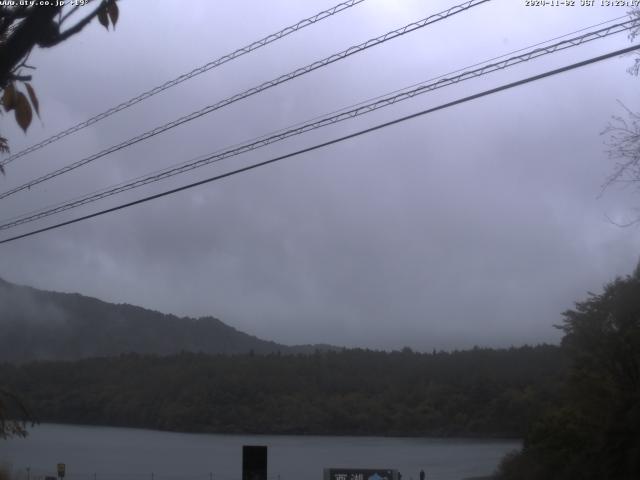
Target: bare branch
[633, 34]
[624, 147]
[19, 413]
[623, 225]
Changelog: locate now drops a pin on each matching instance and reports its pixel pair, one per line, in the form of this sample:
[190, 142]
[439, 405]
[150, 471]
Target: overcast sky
[476, 225]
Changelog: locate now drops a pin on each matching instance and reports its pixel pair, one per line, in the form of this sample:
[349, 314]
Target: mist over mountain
[145, 355]
[43, 325]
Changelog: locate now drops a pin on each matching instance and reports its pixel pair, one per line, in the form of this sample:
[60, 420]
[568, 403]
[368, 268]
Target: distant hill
[42, 325]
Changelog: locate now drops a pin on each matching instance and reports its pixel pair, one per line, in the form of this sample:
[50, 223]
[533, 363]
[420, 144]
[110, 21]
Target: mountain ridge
[45, 325]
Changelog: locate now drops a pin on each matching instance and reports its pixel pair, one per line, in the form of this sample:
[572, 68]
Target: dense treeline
[593, 433]
[480, 392]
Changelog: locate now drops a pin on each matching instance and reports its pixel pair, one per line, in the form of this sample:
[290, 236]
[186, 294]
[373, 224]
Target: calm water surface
[104, 453]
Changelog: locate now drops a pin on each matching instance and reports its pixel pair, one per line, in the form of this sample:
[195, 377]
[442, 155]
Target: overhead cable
[186, 76]
[362, 109]
[252, 91]
[331, 142]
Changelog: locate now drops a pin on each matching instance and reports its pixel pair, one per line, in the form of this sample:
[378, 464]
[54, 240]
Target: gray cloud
[479, 224]
[20, 305]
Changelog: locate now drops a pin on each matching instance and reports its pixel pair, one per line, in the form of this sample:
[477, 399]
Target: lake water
[104, 453]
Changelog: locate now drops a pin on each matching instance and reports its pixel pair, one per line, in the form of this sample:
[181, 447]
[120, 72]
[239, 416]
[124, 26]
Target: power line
[330, 119]
[186, 76]
[252, 91]
[332, 142]
[312, 125]
[512, 52]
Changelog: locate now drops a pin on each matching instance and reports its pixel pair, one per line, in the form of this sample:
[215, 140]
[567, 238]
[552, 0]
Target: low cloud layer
[478, 224]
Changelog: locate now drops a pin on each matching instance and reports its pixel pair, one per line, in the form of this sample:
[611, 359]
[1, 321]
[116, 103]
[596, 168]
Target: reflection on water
[101, 453]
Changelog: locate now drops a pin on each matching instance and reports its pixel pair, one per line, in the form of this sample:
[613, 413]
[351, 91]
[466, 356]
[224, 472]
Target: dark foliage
[14, 416]
[479, 392]
[594, 432]
[27, 25]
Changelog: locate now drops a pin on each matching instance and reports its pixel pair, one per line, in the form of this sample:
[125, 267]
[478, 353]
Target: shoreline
[466, 438]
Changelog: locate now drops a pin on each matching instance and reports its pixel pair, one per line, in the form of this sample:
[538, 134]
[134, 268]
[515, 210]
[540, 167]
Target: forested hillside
[480, 392]
[593, 432]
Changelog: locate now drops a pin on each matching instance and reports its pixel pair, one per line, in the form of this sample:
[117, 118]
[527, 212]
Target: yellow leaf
[33, 98]
[23, 111]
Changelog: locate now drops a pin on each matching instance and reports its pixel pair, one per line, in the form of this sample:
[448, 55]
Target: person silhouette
[422, 475]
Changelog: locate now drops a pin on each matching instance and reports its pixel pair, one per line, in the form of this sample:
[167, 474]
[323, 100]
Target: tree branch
[68, 14]
[75, 29]
[22, 40]
[20, 78]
